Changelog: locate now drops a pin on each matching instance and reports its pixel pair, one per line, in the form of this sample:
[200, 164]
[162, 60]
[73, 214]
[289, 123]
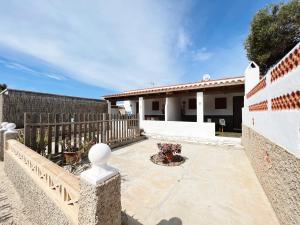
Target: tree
[3, 87]
[275, 30]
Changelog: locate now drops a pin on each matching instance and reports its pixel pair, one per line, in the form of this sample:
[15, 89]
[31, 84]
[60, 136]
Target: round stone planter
[176, 160]
[72, 157]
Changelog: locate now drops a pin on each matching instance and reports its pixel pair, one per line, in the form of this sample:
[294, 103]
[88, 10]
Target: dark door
[137, 107]
[238, 104]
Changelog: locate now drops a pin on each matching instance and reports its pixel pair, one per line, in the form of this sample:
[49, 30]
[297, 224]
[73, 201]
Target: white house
[193, 110]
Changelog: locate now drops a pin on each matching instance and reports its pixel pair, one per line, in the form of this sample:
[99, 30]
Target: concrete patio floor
[215, 186]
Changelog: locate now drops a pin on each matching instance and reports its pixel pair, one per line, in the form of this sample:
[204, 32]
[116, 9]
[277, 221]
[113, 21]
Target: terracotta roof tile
[182, 87]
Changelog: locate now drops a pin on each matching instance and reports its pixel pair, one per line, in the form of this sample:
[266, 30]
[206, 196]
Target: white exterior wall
[188, 112]
[281, 126]
[208, 99]
[172, 127]
[130, 106]
[141, 108]
[251, 76]
[200, 104]
[172, 109]
[178, 129]
[148, 106]
[209, 103]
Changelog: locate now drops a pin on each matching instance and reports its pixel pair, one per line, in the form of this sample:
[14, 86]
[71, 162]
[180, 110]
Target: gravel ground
[12, 210]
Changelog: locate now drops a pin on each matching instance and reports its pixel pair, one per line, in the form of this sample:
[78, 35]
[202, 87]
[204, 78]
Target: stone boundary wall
[106, 213]
[42, 185]
[14, 103]
[54, 196]
[278, 172]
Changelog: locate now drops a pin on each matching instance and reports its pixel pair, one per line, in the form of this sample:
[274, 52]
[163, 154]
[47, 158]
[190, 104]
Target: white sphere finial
[10, 126]
[99, 155]
[3, 125]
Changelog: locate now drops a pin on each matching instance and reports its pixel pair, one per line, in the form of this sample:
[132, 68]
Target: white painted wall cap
[10, 126]
[252, 65]
[3, 125]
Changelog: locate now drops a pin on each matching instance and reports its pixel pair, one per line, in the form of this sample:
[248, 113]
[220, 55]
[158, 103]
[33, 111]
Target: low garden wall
[178, 129]
[46, 188]
[55, 196]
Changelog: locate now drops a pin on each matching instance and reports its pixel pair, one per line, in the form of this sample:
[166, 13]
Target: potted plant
[167, 151]
[71, 153]
[86, 146]
[41, 145]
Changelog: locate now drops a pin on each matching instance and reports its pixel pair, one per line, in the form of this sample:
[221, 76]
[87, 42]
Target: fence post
[27, 119]
[50, 132]
[56, 137]
[100, 190]
[34, 131]
[103, 136]
[138, 121]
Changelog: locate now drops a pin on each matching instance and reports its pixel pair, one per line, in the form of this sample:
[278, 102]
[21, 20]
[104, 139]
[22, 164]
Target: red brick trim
[287, 101]
[286, 65]
[261, 106]
[260, 85]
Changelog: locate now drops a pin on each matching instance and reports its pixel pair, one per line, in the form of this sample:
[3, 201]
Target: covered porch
[195, 113]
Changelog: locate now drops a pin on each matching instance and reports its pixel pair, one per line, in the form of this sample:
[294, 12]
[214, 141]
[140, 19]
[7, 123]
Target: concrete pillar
[172, 109]
[200, 106]
[108, 107]
[100, 190]
[167, 111]
[10, 133]
[2, 130]
[251, 76]
[141, 108]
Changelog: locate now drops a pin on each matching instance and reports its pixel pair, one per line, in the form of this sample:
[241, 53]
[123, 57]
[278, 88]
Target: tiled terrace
[216, 185]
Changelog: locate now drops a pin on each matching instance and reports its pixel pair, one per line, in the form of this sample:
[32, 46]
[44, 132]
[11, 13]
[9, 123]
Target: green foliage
[21, 136]
[41, 144]
[275, 30]
[84, 146]
[3, 87]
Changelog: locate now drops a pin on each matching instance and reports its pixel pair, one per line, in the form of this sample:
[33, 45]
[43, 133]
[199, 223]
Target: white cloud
[112, 44]
[21, 67]
[183, 41]
[202, 55]
[18, 66]
[55, 77]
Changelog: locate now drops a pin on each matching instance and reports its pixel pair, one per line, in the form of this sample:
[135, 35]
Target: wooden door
[238, 104]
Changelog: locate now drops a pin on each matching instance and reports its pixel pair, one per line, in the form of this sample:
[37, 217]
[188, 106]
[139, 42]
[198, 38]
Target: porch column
[166, 109]
[200, 107]
[141, 109]
[108, 107]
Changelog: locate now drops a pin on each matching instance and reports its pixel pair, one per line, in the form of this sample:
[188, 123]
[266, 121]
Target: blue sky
[92, 48]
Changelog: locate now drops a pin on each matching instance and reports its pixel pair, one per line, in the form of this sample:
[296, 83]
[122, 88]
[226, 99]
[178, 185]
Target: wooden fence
[45, 132]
